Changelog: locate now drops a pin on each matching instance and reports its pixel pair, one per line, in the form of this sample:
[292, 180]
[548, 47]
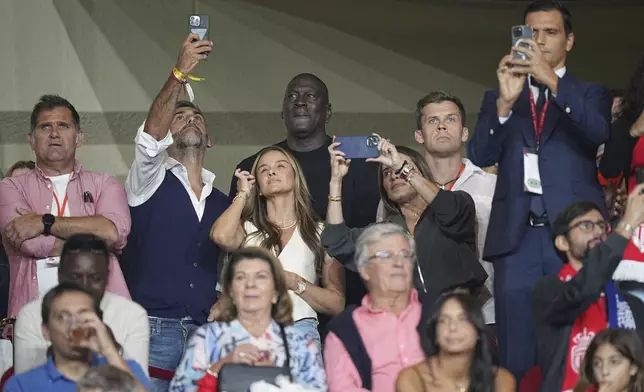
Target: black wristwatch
[48, 220]
[397, 172]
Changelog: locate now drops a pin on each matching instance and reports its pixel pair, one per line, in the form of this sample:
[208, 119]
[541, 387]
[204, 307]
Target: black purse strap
[287, 364]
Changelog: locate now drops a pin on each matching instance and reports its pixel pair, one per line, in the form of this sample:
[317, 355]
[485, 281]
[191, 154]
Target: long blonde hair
[255, 211]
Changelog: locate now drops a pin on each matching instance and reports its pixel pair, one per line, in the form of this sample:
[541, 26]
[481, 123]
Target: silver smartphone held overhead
[199, 25]
[519, 35]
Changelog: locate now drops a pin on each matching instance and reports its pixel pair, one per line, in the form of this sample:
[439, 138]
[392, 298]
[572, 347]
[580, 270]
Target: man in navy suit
[543, 127]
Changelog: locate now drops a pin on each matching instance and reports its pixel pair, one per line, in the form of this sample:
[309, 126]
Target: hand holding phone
[511, 83]
[519, 36]
[358, 146]
[199, 25]
[194, 49]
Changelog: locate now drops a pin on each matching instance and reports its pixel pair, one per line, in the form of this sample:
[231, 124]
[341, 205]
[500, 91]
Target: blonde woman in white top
[273, 210]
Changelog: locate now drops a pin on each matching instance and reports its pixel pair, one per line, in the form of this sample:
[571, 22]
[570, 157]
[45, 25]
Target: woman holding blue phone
[442, 222]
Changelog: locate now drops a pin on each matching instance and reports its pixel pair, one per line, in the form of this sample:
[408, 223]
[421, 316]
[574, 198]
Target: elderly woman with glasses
[253, 326]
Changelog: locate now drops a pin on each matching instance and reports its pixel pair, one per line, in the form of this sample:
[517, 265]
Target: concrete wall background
[110, 58]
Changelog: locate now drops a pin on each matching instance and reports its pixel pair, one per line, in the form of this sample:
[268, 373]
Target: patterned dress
[213, 341]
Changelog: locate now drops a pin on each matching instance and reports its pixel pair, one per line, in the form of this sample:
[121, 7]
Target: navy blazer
[577, 123]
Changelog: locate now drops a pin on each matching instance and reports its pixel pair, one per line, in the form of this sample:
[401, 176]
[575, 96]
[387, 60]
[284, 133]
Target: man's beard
[192, 138]
[580, 253]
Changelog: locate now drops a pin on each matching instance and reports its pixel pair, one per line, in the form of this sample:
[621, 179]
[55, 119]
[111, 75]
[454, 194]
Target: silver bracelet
[626, 227]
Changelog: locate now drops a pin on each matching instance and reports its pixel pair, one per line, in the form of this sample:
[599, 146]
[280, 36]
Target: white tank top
[296, 257]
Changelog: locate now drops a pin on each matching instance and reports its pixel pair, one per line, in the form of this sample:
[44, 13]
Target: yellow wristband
[335, 198]
[181, 76]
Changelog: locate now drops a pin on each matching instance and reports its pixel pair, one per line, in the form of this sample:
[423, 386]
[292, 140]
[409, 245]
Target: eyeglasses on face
[588, 226]
[386, 256]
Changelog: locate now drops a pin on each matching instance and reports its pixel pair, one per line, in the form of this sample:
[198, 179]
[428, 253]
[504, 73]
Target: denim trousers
[168, 341]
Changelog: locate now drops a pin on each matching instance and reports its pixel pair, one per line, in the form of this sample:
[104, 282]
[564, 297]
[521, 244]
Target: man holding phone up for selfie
[171, 264]
[543, 127]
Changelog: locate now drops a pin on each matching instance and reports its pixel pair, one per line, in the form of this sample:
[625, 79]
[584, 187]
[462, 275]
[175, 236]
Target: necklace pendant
[442, 186]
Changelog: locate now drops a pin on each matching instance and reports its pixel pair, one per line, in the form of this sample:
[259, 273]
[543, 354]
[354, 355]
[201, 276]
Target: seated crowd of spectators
[412, 270]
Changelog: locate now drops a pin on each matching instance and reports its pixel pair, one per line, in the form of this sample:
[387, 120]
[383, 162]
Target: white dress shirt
[480, 185]
[535, 91]
[148, 171]
[296, 257]
[127, 320]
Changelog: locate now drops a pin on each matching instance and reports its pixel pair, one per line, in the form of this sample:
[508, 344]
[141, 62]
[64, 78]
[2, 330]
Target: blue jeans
[168, 341]
[309, 326]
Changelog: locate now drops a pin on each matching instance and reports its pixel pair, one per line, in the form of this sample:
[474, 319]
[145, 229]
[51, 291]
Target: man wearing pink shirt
[57, 199]
[369, 345]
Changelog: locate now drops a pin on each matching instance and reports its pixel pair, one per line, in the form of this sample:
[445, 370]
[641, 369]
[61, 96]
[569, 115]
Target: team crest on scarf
[580, 341]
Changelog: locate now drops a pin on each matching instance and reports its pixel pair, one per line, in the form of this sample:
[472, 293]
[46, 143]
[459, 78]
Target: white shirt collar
[207, 176]
[470, 170]
[559, 72]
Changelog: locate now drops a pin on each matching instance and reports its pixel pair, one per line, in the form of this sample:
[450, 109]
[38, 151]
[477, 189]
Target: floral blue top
[213, 341]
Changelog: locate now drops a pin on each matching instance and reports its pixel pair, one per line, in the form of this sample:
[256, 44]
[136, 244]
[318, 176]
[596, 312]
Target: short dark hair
[617, 93]
[21, 165]
[551, 5]
[438, 97]
[106, 378]
[561, 226]
[64, 288]
[187, 104]
[84, 243]
[50, 102]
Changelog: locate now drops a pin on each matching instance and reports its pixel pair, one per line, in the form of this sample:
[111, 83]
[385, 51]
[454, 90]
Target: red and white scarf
[589, 324]
[632, 266]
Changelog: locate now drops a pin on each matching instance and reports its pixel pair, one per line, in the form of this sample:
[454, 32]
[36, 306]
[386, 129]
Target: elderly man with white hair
[368, 346]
